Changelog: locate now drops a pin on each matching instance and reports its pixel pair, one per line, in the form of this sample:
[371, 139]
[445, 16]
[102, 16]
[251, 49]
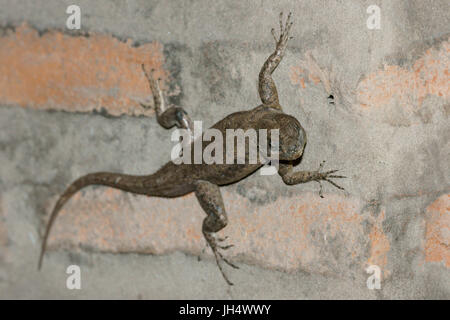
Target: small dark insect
[331, 99]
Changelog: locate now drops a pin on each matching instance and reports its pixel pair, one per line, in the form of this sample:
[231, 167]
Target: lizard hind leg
[210, 199]
[167, 117]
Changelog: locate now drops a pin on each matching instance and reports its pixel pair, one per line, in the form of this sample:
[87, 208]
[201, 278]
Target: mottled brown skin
[174, 180]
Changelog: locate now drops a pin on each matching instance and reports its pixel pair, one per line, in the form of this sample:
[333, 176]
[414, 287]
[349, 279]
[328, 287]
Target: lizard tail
[124, 182]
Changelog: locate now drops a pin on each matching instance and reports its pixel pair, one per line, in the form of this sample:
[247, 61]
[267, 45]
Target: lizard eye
[179, 115]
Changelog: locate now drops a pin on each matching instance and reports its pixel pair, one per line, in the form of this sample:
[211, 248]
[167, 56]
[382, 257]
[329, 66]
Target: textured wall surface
[71, 103]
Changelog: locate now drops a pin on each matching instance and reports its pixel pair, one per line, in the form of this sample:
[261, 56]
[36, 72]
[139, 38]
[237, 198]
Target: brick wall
[71, 103]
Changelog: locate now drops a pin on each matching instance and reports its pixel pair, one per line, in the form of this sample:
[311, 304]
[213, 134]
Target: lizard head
[292, 136]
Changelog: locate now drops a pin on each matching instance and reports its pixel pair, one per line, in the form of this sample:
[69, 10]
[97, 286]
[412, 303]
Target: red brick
[438, 231]
[76, 73]
[278, 235]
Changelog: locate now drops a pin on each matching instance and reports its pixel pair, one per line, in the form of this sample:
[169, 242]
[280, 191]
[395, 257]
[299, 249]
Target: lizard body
[174, 180]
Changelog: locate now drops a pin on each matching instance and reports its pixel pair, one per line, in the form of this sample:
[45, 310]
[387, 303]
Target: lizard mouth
[296, 154]
[291, 154]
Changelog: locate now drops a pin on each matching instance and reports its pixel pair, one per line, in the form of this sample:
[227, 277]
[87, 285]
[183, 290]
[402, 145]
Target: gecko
[175, 180]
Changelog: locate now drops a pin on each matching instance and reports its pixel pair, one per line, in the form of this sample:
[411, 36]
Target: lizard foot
[212, 242]
[149, 74]
[154, 85]
[281, 42]
[325, 176]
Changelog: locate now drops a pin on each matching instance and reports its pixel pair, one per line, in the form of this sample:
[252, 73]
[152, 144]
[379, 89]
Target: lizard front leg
[286, 171]
[266, 86]
[168, 117]
[210, 199]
